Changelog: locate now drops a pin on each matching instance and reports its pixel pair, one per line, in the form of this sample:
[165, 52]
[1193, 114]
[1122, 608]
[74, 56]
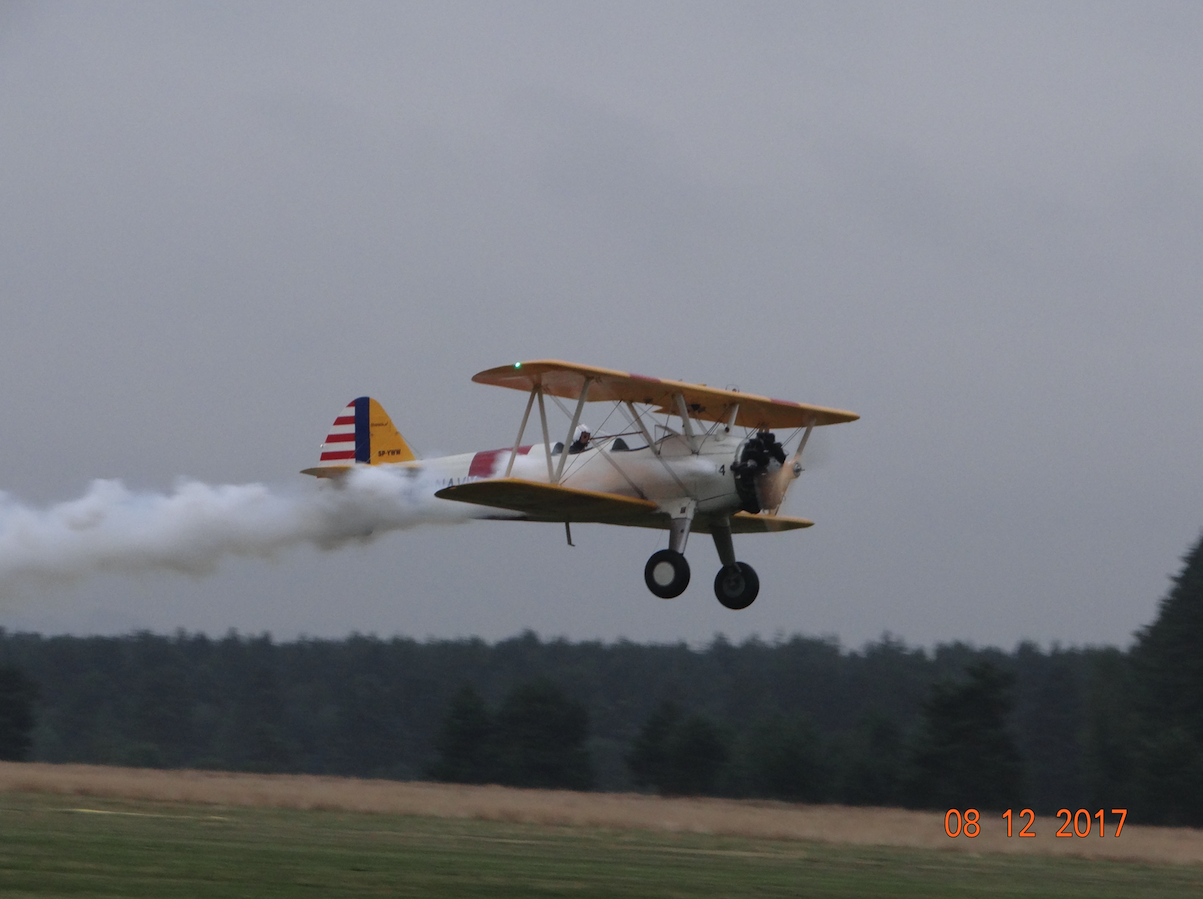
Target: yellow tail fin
[386, 442]
[364, 434]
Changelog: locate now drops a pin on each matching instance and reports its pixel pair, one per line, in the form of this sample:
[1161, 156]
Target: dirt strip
[743, 818]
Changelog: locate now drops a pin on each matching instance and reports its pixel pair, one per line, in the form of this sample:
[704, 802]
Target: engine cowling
[756, 468]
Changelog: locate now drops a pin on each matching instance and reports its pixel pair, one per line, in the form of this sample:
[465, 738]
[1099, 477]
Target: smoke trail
[191, 529]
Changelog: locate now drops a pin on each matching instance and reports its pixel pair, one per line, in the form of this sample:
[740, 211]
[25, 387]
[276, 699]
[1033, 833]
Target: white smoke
[191, 529]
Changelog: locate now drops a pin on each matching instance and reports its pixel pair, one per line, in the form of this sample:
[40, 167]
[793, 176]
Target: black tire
[736, 586]
[666, 574]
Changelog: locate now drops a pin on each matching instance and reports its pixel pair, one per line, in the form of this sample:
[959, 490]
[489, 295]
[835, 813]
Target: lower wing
[552, 502]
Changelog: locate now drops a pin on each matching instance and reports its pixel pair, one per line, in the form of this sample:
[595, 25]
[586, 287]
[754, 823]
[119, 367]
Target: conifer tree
[871, 762]
[648, 759]
[1168, 655]
[965, 756]
[540, 739]
[17, 695]
[678, 754]
[1168, 670]
[784, 758]
[1110, 737]
[465, 741]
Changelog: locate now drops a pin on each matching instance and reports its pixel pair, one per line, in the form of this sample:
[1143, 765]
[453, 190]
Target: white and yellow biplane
[686, 458]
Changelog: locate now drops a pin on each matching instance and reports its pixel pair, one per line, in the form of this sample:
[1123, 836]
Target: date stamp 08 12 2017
[969, 824]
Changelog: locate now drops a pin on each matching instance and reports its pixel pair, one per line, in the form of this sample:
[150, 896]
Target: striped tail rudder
[349, 440]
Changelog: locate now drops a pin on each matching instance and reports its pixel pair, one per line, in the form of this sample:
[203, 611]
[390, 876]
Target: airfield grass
[56, 845]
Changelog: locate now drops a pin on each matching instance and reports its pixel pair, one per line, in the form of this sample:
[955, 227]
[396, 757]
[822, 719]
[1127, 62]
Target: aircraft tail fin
[362, 434]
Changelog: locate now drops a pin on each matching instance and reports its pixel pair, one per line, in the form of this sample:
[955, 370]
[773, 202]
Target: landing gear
[667, 574]
[736, 585]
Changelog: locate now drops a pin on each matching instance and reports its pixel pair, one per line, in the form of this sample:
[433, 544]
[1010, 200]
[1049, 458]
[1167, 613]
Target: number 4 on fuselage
[685, 458]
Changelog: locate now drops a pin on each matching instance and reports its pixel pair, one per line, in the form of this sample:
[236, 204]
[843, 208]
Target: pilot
[580, 440]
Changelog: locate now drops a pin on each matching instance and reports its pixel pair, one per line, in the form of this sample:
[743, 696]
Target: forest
[797, 718]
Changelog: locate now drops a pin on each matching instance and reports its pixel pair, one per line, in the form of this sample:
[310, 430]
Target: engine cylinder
[758, 460]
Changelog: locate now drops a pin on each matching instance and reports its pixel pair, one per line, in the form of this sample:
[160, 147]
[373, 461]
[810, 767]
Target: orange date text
[967, 823]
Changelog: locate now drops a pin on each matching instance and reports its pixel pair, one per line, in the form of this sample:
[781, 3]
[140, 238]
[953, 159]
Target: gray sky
[977, 225]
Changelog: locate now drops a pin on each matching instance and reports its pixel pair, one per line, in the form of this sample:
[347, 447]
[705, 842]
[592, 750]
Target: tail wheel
[736, 585]
[666, 573]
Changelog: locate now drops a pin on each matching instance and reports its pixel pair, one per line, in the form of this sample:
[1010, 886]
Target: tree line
[799, 719]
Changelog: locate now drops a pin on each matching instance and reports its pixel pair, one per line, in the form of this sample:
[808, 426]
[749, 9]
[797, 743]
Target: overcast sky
[980, 226]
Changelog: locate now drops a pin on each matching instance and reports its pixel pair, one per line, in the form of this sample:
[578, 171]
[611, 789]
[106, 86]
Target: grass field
[75, 842]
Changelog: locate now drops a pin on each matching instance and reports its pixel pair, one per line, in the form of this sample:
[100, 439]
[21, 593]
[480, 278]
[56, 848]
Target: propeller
[777, 483]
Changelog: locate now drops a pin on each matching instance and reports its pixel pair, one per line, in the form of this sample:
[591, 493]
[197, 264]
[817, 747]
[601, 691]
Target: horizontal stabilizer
[334, 472]
[552, 502]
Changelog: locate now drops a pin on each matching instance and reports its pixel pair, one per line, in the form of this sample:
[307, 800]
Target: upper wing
[566, 379]
[553, 502]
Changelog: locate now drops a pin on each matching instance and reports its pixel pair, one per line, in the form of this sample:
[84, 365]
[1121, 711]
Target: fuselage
[619, 465]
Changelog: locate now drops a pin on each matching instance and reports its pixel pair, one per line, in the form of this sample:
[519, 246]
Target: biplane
[680, 457]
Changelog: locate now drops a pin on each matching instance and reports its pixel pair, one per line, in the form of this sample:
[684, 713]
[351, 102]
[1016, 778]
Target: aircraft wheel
[666, 573]
[736, 585]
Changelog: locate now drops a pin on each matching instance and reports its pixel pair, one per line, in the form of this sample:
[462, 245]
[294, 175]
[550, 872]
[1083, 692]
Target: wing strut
[655, 447]
[605, 454]
[521, 430]
[791, 471]
[810, 426]
[642, 428]
[546, 438]
[576, 419]
[686, 425]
